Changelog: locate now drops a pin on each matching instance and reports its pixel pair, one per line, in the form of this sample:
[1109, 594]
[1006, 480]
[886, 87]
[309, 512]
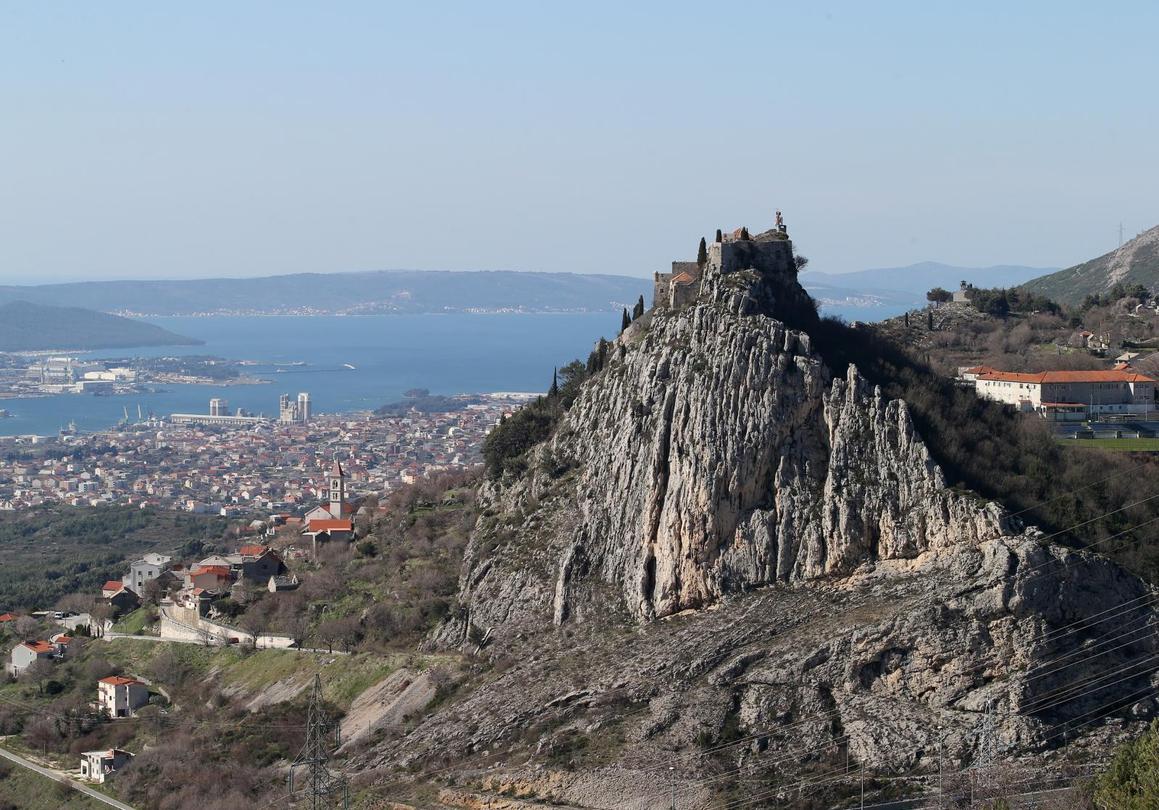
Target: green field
[20, 787]
[239, 671]
[135, 623]
[1120, 445]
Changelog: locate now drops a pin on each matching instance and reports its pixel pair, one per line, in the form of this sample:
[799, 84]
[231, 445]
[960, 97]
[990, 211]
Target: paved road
[61, 777]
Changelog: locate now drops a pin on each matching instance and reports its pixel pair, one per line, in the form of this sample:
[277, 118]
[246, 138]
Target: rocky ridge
[1135, 262]
[728, 558]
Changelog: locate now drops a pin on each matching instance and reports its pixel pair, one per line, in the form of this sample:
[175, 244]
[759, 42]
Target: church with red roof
[333, 520]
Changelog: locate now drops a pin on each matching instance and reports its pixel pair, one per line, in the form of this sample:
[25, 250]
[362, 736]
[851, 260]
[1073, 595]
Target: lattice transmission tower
[321, 789]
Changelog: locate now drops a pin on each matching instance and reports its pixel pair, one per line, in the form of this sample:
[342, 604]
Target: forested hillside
[48, 552]
[26, 326]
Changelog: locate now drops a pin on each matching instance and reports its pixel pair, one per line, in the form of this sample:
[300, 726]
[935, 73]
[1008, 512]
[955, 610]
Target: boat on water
[349, 366]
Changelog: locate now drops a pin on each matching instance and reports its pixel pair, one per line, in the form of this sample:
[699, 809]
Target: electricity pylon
[323, 789]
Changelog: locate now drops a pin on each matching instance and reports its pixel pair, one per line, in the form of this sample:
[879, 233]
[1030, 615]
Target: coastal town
[235, 466]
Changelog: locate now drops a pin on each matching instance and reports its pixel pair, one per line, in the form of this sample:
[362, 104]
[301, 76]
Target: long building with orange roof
[1068, 395]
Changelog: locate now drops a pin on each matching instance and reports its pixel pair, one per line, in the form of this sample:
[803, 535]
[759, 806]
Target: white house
[97, 766]
[26, 652]
[145, 570]
[118, 696]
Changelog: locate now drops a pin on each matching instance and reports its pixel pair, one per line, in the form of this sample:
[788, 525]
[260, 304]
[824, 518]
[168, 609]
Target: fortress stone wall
[768, 252]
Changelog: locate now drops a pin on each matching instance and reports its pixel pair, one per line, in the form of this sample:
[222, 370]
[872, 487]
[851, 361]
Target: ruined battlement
[772, 255]
[770, 252]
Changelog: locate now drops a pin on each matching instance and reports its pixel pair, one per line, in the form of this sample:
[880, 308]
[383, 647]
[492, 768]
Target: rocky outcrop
[714, 454]
[729, 561]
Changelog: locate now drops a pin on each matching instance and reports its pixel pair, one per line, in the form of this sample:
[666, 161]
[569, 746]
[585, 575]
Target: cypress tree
[930, 320]
[719, 235]
[907, 319]
[554, 390]
[638, 310]
[602, 354]
[625, 322]
[702, 253]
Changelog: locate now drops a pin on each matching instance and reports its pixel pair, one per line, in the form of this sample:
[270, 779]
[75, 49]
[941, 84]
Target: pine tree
[625, 321]
[554, 391]
[638, 310]
[702, 253]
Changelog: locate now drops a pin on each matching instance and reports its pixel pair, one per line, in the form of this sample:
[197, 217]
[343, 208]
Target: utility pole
[672, 783]
[323, 789]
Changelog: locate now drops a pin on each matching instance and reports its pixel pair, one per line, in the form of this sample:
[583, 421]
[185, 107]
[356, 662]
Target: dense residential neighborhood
[271, 467]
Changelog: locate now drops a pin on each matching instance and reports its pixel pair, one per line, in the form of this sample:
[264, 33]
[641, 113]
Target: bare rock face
[714, 454]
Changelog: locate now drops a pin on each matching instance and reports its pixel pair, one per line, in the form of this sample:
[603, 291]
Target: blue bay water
[448, 354]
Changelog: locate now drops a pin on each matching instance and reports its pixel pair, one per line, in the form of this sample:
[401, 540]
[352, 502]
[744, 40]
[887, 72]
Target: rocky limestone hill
[1136, 262]
[729, 562]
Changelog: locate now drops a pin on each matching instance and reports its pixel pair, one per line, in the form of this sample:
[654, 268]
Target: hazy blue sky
[195, 139]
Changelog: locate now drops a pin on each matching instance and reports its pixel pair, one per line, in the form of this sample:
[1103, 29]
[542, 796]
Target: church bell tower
[337, 491]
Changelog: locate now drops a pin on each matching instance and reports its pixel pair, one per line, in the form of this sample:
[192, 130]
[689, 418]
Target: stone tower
[337, 491]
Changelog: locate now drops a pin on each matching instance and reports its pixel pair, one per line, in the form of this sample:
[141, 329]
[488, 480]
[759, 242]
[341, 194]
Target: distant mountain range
[386, 291]
[27, 327]
[1136, 262]
[886, 291]
[867, 294]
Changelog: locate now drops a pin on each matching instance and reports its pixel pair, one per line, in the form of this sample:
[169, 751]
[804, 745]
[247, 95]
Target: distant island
[27, 327]
[362, 293]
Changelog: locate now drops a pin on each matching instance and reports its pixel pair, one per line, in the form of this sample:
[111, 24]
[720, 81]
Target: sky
[165, 140]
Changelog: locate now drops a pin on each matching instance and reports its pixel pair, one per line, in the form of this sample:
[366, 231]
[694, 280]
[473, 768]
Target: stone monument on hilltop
[770, 251]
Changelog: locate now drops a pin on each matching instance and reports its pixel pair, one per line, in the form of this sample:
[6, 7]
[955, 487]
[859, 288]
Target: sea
[346, 363]
[354, 363]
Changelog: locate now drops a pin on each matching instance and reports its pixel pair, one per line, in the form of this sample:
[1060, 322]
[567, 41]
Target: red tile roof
[8, 617]
[330, 526]
[252, 551]
[119, 680]
[40, 646]
[219, 570]
[113, 585]
[1095, 376]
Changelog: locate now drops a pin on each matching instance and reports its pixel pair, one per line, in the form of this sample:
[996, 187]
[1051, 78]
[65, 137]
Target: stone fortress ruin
[770, 251]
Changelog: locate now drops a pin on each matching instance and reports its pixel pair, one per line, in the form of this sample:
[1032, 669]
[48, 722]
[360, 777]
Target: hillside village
[275, 590]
